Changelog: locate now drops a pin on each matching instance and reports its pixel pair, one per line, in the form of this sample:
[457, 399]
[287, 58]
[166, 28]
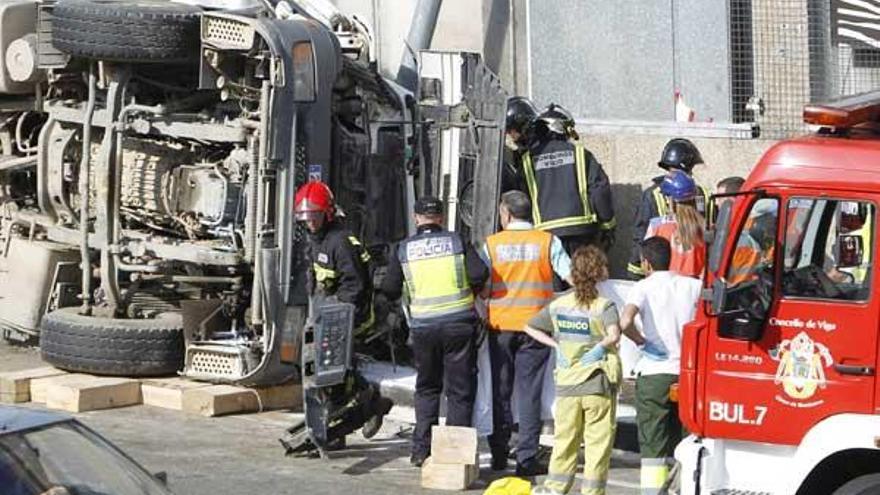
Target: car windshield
[68, 459]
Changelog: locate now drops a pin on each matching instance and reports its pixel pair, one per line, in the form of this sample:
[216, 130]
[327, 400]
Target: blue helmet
[679, 186]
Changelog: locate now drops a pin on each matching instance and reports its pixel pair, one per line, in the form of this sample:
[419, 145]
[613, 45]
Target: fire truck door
[810, 350]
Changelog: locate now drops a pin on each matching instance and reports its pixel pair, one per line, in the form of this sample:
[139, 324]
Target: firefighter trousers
[660, 430]
[591, 417]
[445, 359]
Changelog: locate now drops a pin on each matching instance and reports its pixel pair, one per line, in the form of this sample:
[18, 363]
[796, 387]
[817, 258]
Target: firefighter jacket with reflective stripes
[341, 268]
[571, 195]
[687, 262]
[438, 272]
[651, 205]
[576, 330]
[522, 277]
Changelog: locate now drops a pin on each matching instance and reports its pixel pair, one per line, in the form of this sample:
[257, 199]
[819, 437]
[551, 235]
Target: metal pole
[84, 170]
[421, 31]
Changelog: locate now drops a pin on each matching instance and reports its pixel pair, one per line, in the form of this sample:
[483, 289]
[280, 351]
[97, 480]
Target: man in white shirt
[666, 302]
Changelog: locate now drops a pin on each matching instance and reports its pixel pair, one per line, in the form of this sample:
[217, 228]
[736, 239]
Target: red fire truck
[778, 385]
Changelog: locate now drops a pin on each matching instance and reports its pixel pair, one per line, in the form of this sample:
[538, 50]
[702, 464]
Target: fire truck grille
[227, 33]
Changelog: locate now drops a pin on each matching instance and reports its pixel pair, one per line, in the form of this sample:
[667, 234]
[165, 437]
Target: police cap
[428, 205]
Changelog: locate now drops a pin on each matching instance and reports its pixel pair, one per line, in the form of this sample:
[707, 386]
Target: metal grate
[48, 57]
[210, 363]
[227, 33]
[786, 53]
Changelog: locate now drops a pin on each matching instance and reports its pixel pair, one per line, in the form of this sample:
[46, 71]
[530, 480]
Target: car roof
[15, 419]
[841, 163]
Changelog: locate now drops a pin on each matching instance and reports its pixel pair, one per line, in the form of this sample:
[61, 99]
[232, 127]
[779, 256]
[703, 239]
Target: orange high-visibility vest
[687, 262]
[747, 257]
[522, 277]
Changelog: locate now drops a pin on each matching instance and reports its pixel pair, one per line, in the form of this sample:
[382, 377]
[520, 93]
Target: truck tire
[868, 484]
[112, 346]
[126, 31]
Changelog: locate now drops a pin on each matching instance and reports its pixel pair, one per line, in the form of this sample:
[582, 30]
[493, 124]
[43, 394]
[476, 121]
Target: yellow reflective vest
[437, 286]
[576, 330]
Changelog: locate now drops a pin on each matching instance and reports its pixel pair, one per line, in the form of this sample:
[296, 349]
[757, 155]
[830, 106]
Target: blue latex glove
[597, 353]
[561, 361]
[653, 352]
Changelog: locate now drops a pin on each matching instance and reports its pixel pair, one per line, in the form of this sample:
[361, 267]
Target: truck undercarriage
[150, 155]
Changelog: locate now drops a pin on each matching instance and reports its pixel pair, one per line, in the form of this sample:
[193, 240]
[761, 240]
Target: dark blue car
[46, 453]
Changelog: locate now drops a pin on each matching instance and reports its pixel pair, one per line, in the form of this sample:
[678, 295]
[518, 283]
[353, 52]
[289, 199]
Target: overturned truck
[150, 154]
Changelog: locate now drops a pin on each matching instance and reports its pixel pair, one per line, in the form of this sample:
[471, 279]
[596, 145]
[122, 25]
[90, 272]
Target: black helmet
[521, 113]
[680, 154]
[557, 120]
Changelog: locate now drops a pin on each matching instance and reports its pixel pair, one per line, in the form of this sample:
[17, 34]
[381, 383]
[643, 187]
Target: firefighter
[521, 115]
[340, 269]
[569, 190]
[439, 272]
[522, 261]
[683, 226]
[727, 185]
[666, 302]
[583, 328]
[678, 154]
[756, 244]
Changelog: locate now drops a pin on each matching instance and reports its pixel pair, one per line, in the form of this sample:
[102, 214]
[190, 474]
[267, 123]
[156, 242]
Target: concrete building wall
[498, 30]
[630, 160]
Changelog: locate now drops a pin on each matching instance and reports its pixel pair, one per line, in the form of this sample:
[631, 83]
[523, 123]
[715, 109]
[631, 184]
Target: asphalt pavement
[240, 454]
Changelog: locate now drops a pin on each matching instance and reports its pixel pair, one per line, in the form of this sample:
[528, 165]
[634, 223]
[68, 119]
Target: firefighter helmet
[679, 186]
[558, 120]
[680, 154]
[313, 198]
[521, 113]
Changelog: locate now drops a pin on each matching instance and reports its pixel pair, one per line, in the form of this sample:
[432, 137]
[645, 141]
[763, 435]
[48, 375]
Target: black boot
[499, 460]
[380, 408]
[418, 458]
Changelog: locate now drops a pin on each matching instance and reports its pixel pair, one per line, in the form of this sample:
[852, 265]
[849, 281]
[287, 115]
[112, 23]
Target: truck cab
[778, 373]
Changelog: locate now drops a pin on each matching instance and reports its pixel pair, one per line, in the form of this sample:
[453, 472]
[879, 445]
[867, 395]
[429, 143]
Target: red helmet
[312, 198]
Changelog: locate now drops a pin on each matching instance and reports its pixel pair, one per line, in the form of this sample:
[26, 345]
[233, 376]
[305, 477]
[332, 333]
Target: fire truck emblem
[801, 370]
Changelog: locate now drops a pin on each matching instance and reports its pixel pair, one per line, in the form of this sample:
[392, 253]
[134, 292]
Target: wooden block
[216, 400]
[454, 445]
[167, 392]
[39, 385]
[91, 393]
[438, 476]
[15, 386]
[286, 396]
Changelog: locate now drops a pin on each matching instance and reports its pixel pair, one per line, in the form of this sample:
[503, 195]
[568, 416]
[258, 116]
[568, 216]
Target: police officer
[678, 154]
[440, 273]
[340, 269]
[569, 190]
[522, 261]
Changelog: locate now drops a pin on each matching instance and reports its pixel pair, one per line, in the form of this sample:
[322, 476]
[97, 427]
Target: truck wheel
[868, 484]
[112, 346]
[126, 31]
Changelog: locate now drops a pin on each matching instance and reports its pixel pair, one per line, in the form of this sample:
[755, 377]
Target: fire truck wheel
[126, 31]
[868, 484]
[112, 346]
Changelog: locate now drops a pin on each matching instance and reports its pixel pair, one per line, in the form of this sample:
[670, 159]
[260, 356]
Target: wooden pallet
[15, 386]
[77, 392]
